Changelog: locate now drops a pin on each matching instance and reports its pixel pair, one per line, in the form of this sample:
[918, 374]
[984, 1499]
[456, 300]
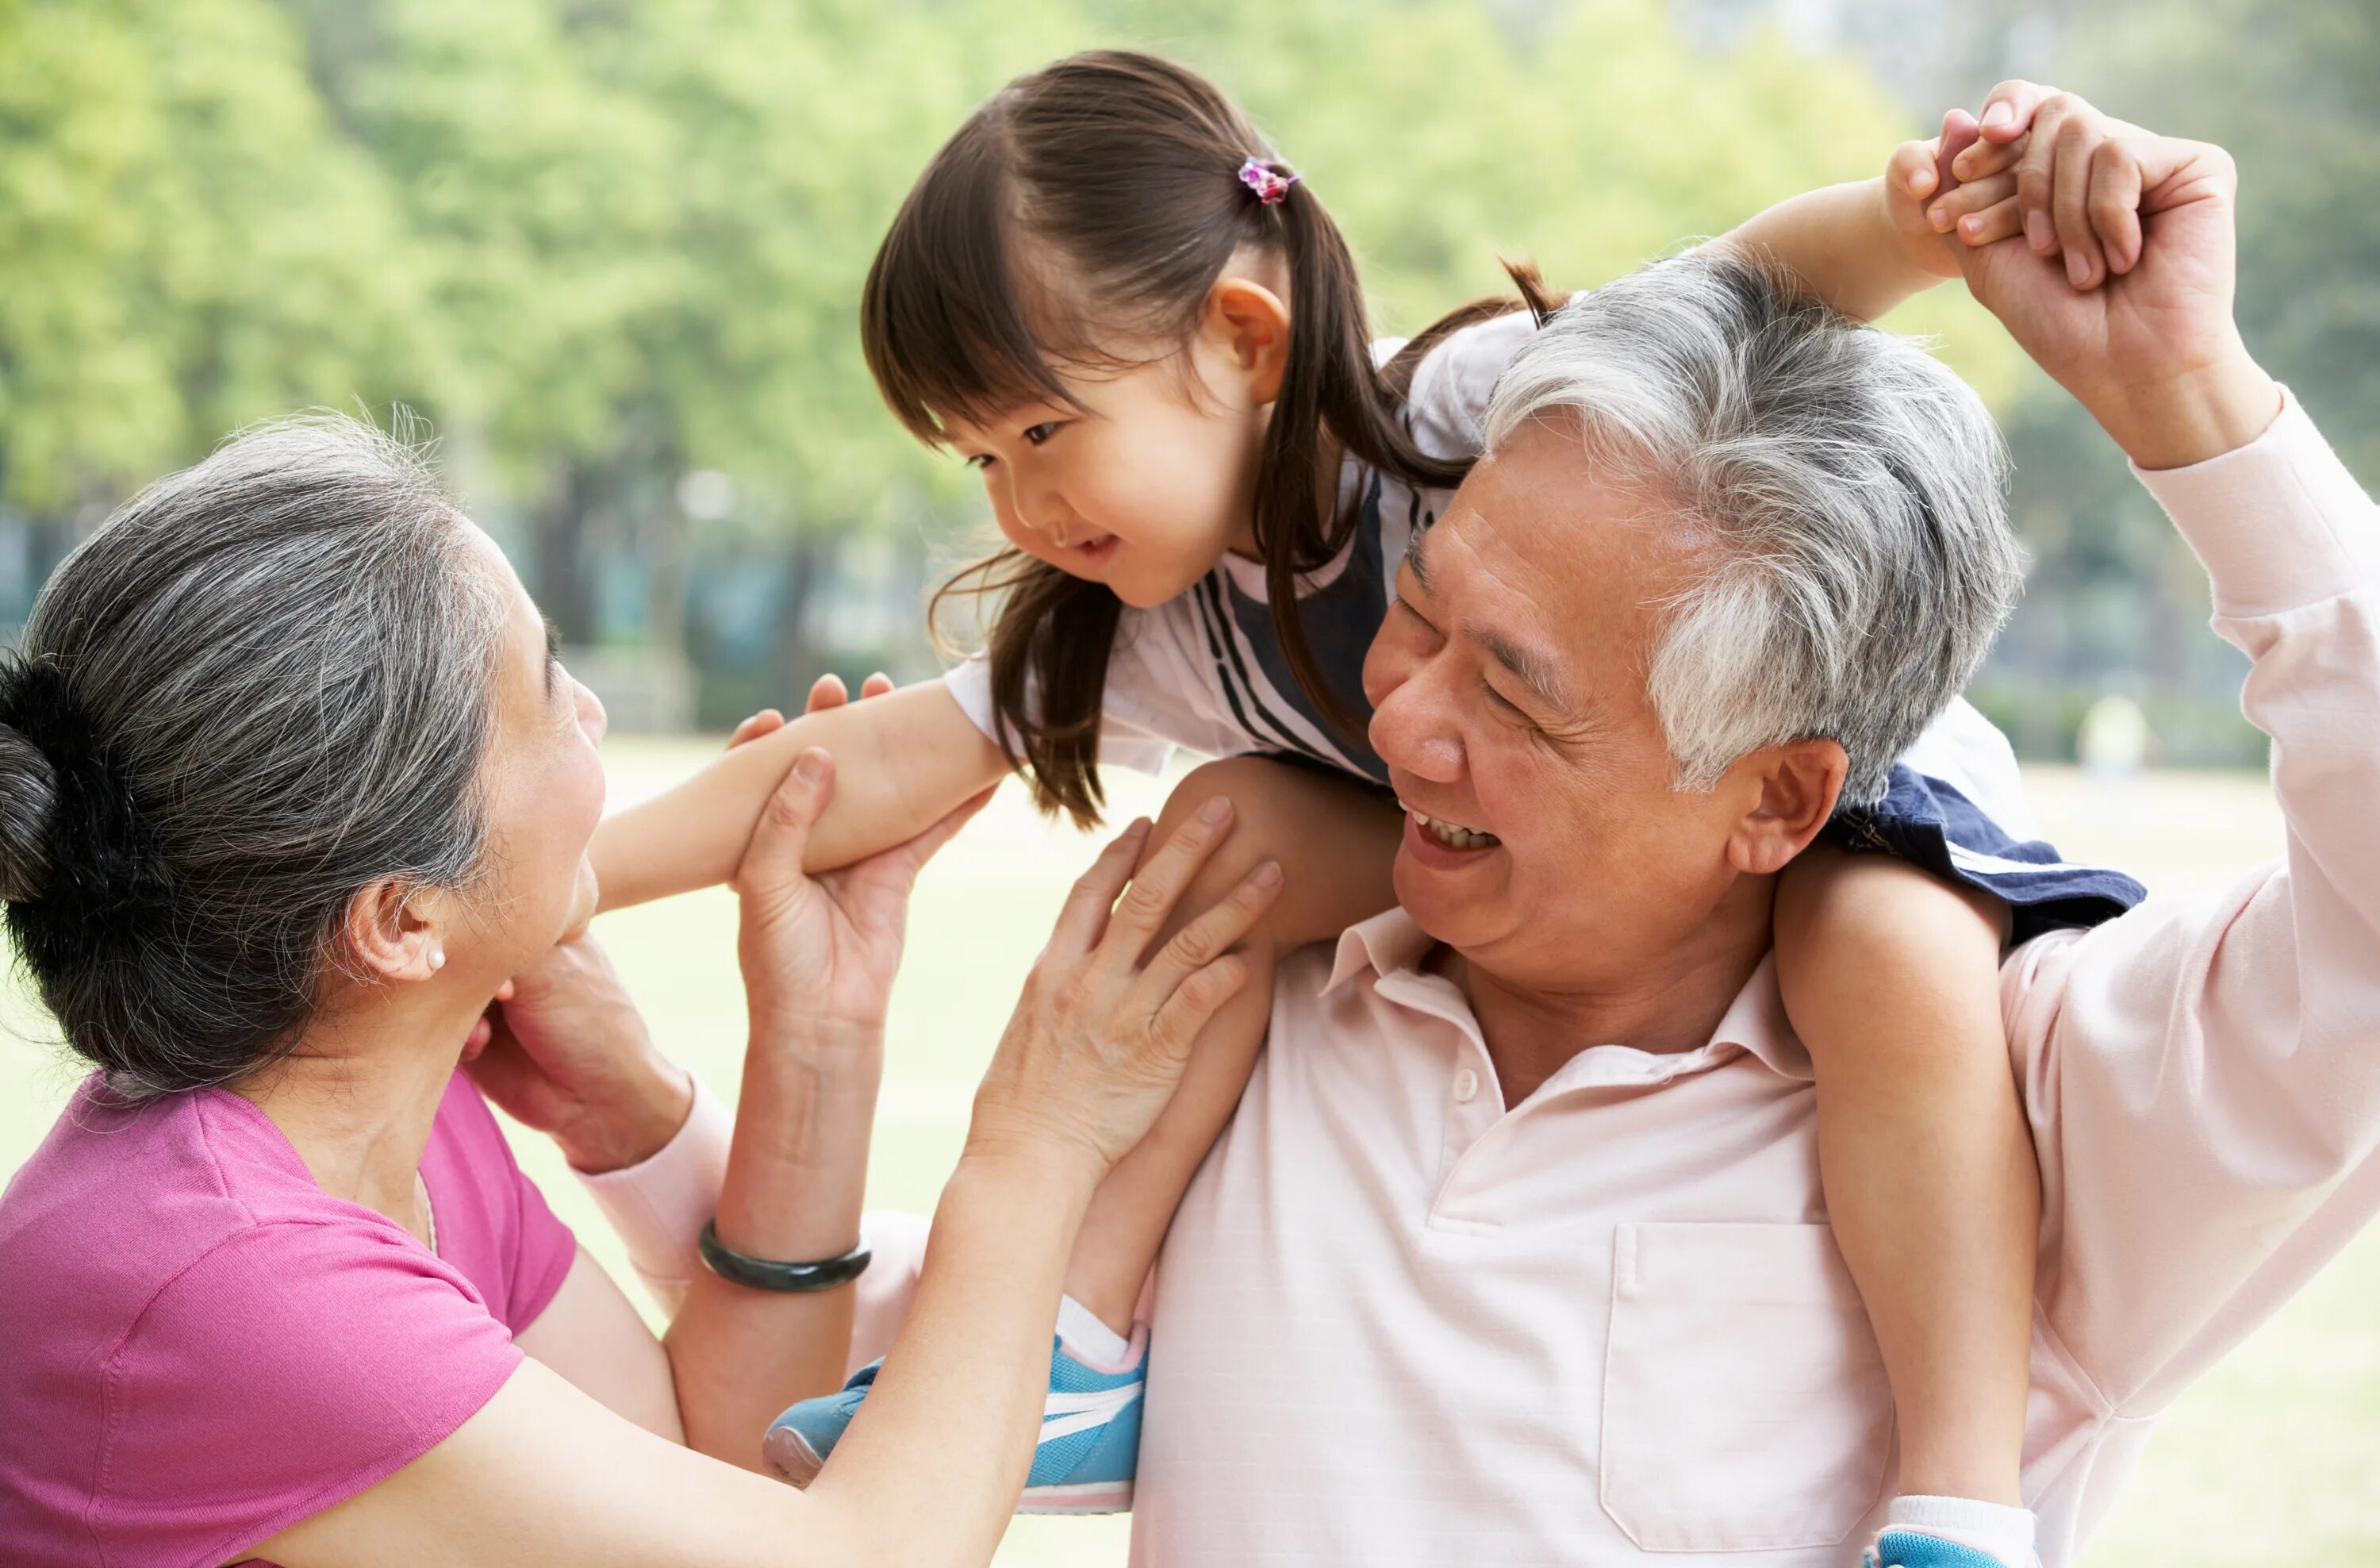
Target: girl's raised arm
[902, 762]
[1866, 246]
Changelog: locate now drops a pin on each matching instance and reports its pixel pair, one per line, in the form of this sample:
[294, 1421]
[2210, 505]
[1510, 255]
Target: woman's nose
[591, 717]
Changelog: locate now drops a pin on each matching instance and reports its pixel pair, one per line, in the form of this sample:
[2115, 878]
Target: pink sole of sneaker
[787, 1453]
[1090, 1497]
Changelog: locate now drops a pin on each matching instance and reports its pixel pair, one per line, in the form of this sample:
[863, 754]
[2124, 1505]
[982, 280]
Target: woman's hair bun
[28, 804]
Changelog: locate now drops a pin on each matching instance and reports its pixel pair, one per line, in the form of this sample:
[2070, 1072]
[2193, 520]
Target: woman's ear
[1248, 324]
[1798, 785]
[397, 930]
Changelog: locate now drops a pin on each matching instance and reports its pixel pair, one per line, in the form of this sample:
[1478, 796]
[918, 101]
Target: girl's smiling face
[1151, 476]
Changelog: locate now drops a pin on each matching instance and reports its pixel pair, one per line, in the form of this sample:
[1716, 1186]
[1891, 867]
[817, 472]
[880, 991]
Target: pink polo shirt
[202, 1347]
[1400, 1323]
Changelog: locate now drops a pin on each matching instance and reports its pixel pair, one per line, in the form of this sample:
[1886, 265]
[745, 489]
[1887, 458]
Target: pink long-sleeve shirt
[1399, 1323]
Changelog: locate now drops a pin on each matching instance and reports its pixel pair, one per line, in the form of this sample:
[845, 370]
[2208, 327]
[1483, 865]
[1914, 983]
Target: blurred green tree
[605, 244]
[186, 245]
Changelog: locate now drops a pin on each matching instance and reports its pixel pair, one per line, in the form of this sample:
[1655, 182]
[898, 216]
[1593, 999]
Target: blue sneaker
[798, 1442]
[1915, 1548]
[1084, 1463]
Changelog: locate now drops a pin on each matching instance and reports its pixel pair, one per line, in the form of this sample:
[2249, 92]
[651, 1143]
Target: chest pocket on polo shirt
[1745, 1402]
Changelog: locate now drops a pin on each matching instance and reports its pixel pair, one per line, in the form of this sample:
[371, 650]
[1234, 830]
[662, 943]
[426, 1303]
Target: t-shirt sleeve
[546, 1250]
[495, 1226]
[1128, 738]
[358, 1353]
[1448, 404]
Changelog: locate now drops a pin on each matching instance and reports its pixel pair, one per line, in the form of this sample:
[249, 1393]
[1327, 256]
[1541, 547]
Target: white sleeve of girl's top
[1451, 387]
[1158, 695]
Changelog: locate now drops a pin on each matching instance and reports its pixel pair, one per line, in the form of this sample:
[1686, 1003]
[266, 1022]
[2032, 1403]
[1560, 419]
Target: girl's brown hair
[1123, 170]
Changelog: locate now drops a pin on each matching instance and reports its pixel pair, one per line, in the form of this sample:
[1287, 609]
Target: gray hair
[1852, 485]
[276, 668]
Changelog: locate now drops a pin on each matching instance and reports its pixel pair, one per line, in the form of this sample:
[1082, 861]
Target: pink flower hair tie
[1269, 184]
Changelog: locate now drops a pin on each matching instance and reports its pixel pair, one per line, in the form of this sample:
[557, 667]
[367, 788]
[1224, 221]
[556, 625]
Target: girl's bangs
[945, 334]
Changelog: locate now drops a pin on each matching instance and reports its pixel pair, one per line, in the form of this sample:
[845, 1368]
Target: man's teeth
[1453, 835]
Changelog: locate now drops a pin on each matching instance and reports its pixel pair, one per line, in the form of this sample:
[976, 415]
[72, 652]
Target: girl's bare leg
[1891, 979]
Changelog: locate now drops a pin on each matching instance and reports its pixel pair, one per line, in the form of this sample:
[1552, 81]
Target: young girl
[1149, 337]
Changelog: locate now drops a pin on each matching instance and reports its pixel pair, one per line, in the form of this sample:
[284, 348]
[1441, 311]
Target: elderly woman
[292, 786]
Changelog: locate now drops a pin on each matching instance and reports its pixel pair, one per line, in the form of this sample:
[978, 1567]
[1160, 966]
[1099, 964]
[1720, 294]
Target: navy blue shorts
[1928, 824]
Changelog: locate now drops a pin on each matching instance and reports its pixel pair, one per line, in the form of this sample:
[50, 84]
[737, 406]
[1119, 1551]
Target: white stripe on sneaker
[1067, 1414]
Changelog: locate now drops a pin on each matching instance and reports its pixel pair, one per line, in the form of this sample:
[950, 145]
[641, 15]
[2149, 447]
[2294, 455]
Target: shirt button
[1467, 1084]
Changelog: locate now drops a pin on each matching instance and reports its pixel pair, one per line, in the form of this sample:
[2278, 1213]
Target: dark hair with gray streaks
[264, 684]
[1854, 485]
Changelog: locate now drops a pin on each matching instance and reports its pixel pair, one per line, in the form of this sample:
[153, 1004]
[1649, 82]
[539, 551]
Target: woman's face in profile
[544, 786]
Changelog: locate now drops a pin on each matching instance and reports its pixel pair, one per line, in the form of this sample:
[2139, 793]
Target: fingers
[876, 685]
[1193, 1001]
[1911, 170]
[1082, 919]
[2115, 204]
[2036, 176]
[2069, 203]
[773, 860]
[1983, 158]
[1958, 135]
[1161, 880]
[1970, 197]
[1981, 211]
[1210, 936]
[767, 720]
[2009, 110]
[827, 691]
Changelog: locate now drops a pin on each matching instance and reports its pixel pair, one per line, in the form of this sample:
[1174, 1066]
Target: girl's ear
[1249, 324]
[395, 930]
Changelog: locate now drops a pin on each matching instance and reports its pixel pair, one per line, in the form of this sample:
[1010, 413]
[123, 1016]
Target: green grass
[2278, 1445]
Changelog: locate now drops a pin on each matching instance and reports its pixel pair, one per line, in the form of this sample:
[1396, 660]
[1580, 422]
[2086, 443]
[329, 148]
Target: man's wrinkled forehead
[1553, 571]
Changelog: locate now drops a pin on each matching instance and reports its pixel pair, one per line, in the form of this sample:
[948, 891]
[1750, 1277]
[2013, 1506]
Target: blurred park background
[611, 250]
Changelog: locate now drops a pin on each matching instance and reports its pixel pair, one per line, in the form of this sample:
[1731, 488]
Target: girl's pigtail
[1049, 645]
[1330, 389]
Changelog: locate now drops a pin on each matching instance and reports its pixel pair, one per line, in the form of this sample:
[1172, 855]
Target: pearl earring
[437, 957]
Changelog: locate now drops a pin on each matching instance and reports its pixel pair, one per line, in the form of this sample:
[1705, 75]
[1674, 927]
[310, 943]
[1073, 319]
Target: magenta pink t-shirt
[200, 1347]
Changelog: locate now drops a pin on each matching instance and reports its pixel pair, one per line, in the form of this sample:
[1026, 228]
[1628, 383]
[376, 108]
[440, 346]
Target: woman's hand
[821, 952]
[1101, 1034]
[564, 1050]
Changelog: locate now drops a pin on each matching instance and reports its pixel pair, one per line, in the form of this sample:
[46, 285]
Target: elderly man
[1516, 1251]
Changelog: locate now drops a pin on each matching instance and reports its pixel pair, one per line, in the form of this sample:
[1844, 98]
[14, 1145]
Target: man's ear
[1249, 324]
[1798, 785]
[395, 930]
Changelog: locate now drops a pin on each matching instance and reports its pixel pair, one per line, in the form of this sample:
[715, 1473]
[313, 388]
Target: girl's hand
[1967, 184]
[822, 951]
[1100, 1038]
[2039, 162]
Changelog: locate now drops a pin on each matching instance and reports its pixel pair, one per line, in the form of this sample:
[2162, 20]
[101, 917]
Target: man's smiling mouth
[1452, 834]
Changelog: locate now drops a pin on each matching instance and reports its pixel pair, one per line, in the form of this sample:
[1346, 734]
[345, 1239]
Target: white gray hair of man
[1850, 486]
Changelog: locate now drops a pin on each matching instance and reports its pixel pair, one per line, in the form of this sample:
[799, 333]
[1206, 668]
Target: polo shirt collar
[1389, 943]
